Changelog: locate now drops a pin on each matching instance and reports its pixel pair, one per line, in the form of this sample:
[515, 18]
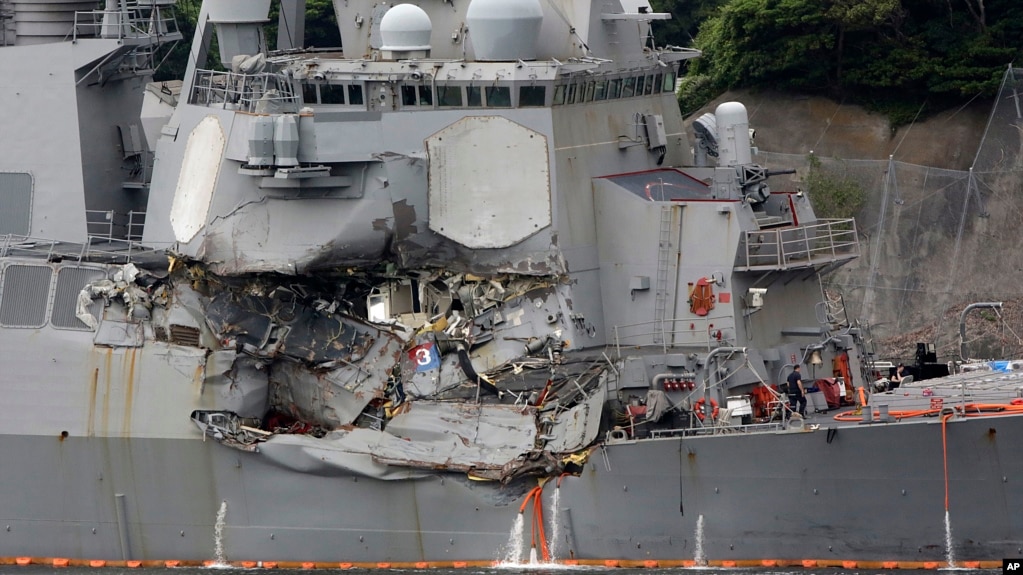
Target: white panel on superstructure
[489, 182]
[197, 179]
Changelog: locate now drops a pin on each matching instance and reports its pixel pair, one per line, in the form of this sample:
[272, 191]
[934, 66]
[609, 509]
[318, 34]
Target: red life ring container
[698, 408]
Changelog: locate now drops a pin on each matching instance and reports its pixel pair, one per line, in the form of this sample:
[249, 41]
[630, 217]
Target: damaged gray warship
[465, 283]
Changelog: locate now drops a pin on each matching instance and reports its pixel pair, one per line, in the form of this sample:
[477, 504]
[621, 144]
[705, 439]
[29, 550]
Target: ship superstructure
[378, 298]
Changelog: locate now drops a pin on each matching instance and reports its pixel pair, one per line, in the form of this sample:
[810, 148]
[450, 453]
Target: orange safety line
[624, 563]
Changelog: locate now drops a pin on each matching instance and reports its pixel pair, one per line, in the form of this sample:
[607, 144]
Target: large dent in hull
[459, 435]
[425, 436]
[293, 369]
[343, 453]
[330, 398]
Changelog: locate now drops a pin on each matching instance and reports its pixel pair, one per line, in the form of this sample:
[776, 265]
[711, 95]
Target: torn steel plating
[467, 377]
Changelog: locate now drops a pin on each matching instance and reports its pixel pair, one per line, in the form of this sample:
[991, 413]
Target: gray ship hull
[438, 299]
[641, 500]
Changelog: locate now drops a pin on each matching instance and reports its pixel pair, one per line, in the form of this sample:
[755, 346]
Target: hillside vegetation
[906, 58]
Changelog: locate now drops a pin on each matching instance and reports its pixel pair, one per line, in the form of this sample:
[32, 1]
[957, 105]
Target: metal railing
[671, 332]
[827, 241]
[111, 225]
[100, 249]
[255, 93]
[136, 225]
[99, 223]
[135, 21]
[771, 427]
[112, 250]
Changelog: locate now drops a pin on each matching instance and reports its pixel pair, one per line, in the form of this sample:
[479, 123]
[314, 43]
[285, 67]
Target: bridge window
[669, 82]
[449, 96]
[532, 96]
[588, 96]
[475, 94]
[499, 97]
[408, 95]
[333, 94]
[354, 94]
[615, 91]
[570, 97]
[425, 96]
[628, 87]
[309, 94]
[559, 95]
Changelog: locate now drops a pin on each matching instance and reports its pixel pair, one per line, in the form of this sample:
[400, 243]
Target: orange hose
[538, 514]
[529, 497]
[536, 522]
[968, 410]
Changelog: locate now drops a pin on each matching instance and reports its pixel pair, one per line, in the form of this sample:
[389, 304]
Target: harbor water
[511, 570]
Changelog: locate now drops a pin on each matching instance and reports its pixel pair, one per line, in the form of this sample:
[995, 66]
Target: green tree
[834, 193]
[899, 56]
[686, 17]
[173, 67]
[321, 31]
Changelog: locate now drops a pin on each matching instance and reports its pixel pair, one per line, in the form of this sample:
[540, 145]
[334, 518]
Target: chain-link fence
[934, 240]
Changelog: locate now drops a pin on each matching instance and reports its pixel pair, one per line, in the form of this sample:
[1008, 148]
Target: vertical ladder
[835, 315]
[663, 265]
[865, 347]
[611, 26]
[836, 319]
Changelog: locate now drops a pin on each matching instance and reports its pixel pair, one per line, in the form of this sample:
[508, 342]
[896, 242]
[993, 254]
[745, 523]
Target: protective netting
[934, 241]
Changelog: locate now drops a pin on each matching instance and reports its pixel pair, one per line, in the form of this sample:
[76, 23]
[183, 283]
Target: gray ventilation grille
[15, 203]
[23, 296]
[70, 281]
[184, 335]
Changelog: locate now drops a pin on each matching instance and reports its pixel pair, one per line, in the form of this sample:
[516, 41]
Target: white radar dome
[405, 28]
[504, 30]
[733, 135]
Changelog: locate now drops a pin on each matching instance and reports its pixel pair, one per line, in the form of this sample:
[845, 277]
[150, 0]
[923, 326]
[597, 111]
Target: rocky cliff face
[935, 236]
[801, 124]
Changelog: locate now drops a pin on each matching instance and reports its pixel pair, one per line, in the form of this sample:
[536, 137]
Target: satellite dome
[404, 28]
[733, 135]
[504, 30]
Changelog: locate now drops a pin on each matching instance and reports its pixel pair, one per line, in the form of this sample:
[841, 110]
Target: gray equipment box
[816, 402]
